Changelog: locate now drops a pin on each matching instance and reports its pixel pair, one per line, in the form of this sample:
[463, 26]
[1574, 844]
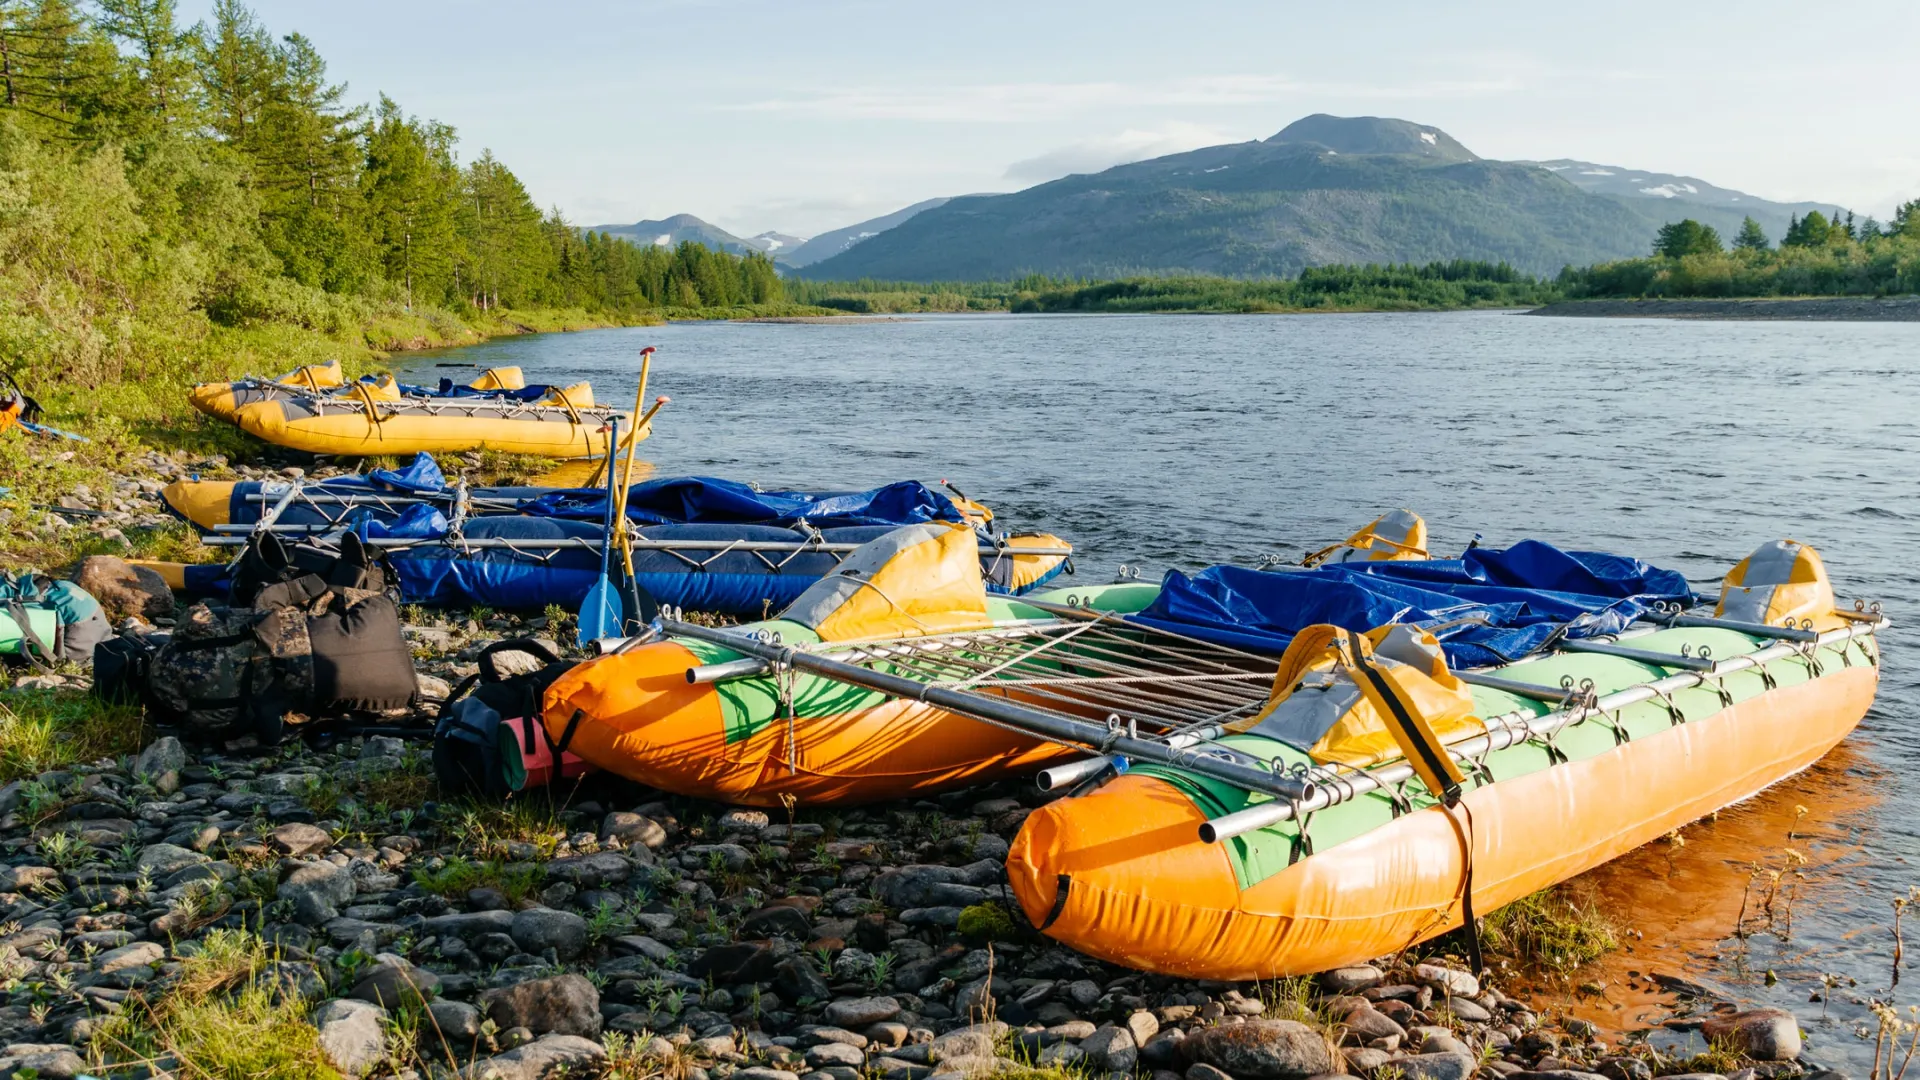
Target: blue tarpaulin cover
[684, 500]
[690, 499]
[1531, 594]
[736, 582]
[684, 508]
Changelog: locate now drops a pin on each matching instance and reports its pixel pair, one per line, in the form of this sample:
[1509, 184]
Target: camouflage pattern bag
[305, 649]
[210, 675]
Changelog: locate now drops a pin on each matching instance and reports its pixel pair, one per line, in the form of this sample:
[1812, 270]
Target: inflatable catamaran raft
[700, 543]
[1455, 735]
[314, 410]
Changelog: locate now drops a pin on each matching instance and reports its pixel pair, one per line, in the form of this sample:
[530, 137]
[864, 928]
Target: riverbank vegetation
[185, 203]
[1434, 286]
[1817, 256]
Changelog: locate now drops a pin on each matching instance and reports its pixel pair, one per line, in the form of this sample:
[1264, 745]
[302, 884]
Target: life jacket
[490, 739]
[45, 621]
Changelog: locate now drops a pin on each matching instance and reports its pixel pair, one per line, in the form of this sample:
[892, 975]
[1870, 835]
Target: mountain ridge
[1324, 189]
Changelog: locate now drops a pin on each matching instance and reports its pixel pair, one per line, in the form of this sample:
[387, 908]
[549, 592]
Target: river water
[1182, 441]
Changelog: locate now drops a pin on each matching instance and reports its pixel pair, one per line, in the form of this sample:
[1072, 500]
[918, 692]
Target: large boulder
[352, 1035]
[563, 1005]
[317, 890]
[862, 1012]
[536, 930]
[1435, 1066]
[1262, 1050]
[124, 589]
[937, 886]
[396, 985]
[160, 764]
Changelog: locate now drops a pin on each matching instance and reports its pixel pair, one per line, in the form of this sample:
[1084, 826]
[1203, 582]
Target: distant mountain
[1663, 197]
[669, 232]
[776, 244]
[829, 244]
[1374, 135]
[1397, 192]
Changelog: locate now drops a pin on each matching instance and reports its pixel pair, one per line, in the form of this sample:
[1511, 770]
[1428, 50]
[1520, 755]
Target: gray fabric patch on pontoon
[826, 596]
[1317, 704]
[1770, 566]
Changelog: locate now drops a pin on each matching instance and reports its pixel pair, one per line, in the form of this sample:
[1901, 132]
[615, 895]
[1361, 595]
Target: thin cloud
[1093, 155]
[1031, 101]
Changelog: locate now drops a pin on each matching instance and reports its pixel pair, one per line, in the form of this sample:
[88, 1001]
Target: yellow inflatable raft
[1431, 788]
[222, 400]
[370, 420]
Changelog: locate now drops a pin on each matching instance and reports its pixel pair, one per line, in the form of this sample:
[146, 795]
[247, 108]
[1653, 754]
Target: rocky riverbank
[320, 907]
[1817, 308]
[613, 931]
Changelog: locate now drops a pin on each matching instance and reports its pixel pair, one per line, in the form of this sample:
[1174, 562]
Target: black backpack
[269, 561]
[123, 668]
[467, 737]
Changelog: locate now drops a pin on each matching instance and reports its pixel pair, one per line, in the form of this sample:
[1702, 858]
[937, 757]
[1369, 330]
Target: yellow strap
[567, 403]
[1394, 544]
[1421, 747]
[366, 395]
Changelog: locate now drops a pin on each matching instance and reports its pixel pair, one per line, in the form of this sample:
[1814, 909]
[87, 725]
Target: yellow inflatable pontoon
[1431, 787]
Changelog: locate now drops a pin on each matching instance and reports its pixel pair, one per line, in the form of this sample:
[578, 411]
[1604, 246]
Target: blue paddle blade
[600, 612]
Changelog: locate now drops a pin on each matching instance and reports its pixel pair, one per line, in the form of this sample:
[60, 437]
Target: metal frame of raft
[1047, 678]
[1180, 744]
[355, 397]
[241, 535]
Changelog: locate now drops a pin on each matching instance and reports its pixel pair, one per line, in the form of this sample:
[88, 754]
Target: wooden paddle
[636, 606]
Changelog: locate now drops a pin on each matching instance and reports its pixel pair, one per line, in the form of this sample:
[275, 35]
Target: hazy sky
[805, 115]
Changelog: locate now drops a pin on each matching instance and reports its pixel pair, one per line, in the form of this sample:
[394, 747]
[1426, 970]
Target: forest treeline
[1457, 284]
[161, 183]
[1817, 256]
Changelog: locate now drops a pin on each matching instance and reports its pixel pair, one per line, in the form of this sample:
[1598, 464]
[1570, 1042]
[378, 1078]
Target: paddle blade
[600, 612]
[638, 608]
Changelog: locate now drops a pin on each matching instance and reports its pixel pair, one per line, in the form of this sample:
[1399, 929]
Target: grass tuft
[55, 729]
[221, 1020]
[1557, 929]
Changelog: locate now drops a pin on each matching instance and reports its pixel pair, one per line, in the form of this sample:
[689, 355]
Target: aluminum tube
[1644, 656]
[1061, 776]
[1064, 776]
[1512, 728]
[1228, 826]
[1512, 686]
[370, 498]
[267, 519]
[223, 540]
[1759, 630]
[1004, 713]
[731, 669]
